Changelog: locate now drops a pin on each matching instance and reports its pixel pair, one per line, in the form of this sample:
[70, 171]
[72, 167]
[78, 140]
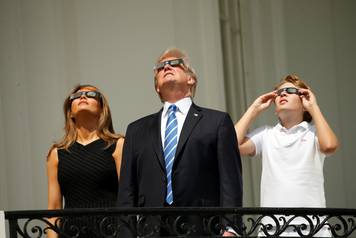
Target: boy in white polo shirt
[294, 150]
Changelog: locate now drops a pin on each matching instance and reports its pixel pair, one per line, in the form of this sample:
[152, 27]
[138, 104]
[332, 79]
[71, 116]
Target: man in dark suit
[184, 155]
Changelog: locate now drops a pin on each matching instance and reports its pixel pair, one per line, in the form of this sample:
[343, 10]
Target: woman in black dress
[83, 168]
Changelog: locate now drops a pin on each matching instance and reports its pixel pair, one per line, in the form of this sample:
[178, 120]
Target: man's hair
[295, 80]
[179, 54]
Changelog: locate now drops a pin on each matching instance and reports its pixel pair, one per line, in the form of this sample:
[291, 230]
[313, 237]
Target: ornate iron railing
[182, 222]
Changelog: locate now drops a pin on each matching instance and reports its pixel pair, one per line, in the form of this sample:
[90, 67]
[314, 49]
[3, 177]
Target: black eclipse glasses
[88, 94]
[289, 90]
[173, 63]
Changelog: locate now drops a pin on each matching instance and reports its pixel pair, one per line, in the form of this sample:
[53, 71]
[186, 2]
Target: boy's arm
[328, 141]
[246, 146]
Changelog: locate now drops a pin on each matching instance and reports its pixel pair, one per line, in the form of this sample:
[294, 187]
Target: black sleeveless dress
[88, 179]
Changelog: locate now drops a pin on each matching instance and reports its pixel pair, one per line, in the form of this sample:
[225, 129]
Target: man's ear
[155, 85]
[191, 80]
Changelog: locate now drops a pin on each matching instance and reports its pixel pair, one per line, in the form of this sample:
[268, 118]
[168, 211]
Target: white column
[2, 225]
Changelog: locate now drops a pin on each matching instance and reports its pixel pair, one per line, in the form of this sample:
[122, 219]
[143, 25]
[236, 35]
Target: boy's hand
[264, 101]
[308, 99]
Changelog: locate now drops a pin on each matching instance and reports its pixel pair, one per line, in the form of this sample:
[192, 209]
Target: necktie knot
[172, 108]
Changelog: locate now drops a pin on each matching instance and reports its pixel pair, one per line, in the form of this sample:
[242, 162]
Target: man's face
[171, 74]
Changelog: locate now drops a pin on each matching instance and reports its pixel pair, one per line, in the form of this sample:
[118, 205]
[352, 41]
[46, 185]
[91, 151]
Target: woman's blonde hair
[105, 128]
[295, 80]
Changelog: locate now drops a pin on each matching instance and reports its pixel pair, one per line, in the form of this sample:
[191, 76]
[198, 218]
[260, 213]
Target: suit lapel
[157, 140]
[193, 117]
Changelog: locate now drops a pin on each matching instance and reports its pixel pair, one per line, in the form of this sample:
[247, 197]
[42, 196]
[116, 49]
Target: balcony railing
[182, 222]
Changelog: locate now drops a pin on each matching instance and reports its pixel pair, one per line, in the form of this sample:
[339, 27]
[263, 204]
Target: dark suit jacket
[206, 170]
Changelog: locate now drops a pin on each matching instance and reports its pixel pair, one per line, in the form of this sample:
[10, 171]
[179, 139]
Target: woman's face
[86, 100]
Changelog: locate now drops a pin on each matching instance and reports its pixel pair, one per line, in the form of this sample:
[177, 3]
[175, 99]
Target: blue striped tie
[170, 146]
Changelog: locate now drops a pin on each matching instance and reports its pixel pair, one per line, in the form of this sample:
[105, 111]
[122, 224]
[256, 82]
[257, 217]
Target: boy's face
[288, 100]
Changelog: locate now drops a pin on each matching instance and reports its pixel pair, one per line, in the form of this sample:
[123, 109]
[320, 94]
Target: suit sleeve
[127, 196]
[230, 169]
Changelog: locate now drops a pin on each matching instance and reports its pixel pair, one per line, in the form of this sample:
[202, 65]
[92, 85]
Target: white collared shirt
[292, 166]
[183, 107]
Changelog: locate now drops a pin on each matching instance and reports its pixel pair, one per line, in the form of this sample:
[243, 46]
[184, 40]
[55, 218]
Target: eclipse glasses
[289, 90]
[173, 63]
[88, 94]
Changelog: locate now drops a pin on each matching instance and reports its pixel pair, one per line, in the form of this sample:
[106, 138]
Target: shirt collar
[183, 106]
[303, 126]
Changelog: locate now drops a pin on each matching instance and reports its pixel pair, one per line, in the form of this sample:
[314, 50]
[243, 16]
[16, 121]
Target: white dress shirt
[183, 107]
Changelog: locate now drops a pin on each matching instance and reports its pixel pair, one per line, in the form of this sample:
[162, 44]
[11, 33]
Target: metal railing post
[13, 228]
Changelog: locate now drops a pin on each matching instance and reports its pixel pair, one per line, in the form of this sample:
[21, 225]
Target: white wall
[48, 46]
[315, 40]
[323, 50]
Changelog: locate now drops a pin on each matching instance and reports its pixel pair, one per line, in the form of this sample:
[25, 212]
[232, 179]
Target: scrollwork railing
[184, 222]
